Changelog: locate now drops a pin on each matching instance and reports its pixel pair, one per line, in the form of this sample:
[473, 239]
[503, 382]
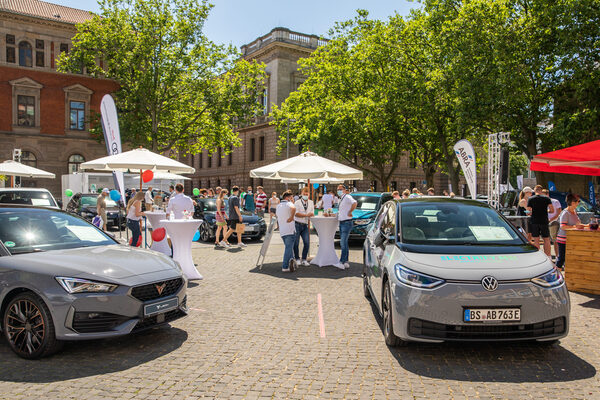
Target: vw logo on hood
[489, 283]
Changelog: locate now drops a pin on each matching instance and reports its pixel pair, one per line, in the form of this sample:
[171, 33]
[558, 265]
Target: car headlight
[551, 278]
[361, 222]
[178, 266]
[416, 279]
[75, 285]
[87, 214]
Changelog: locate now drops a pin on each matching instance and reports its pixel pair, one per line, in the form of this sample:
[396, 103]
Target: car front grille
[433, 330]
[90, 322]
[156, 320]
[151, 291]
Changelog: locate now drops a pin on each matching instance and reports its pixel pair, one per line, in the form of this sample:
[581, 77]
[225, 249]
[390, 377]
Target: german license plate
[492, 314]
[249, 228]
[161, 307]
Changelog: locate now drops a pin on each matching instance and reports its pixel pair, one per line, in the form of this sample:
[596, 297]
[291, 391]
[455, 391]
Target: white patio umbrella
[14, 168]
[319, 181]
[307, 165]
[138, 159]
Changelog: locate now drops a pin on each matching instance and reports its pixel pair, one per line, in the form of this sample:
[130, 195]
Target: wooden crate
[582, 265]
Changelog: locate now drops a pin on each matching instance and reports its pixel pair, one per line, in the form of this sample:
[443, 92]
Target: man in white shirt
[285, 218]
[345, 208]
[180, 203]
[305, 209]
[328, 200]
[149, 199]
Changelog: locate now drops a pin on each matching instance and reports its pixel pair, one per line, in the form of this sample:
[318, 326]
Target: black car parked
[84, 205]
[206, 210]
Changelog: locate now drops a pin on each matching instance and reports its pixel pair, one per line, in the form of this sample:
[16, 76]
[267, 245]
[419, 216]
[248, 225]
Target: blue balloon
[115, 195]
[196, 236]
[316, 185]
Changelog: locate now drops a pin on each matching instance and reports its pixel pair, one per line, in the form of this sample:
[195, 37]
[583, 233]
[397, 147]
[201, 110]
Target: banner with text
[466, 157]
[592, 193]
[112, 137]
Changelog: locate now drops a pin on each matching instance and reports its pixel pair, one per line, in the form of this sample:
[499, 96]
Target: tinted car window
[27, 197]
[455, 224]
[32, 230]
[91, 201]
[366, 202]
[209, 205]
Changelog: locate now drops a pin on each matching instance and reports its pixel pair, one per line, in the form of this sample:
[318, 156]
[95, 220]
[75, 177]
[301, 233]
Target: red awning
[583, 159]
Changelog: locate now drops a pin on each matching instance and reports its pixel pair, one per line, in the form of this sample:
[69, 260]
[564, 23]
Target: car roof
[8, 206]
[441, 199]
[374, 194]
[6, 189]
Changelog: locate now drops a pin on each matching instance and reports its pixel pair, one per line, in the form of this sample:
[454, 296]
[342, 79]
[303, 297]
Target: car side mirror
[60, 204]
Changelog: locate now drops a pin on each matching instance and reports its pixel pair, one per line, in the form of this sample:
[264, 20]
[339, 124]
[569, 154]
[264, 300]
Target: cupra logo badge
[489, 283]
[161, 288]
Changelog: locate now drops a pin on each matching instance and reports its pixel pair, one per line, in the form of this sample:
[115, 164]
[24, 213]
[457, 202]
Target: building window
[64, 48]
[25, 110]
[25, 54]
[229, 185]
[209, 161]
[200, 157]
[77, 115]
[28, 158]
[261, 148]
[219, 157]
[10, 49]
[412, 161]
[264, 102]
[252, 149]
[74, 161]
[39, 53]
[374, 186]
[230, 156]
[394, 186]
[413, 185]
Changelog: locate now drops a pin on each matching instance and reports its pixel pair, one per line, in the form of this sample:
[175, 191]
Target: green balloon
[69, 192]
[196, 192]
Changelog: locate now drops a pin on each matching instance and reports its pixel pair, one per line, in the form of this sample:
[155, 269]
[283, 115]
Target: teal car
[363, 216]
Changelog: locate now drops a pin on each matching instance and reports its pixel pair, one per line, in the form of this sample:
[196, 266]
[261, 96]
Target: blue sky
[241, 21]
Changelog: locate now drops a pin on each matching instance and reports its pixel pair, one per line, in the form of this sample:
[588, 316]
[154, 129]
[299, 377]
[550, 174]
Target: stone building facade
[43, 112]
[280, 50]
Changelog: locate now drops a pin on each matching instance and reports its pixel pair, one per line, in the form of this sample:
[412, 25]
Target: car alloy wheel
[204, 232]
[28, 327]
[388, 330]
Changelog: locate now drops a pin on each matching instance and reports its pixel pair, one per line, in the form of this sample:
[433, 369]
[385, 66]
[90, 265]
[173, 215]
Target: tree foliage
[178, 89]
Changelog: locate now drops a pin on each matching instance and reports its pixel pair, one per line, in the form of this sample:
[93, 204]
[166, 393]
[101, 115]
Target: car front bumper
[103, 315]
[436, 315]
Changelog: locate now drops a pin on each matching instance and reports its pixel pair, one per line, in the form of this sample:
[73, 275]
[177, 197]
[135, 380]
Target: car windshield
[27, 197]
[31, 230]
[91, 201]
[366, 202]
[455, 224]
[209, 205]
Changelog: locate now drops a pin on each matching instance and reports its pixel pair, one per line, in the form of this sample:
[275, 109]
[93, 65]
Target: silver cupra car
[441, 269]
[63, 279]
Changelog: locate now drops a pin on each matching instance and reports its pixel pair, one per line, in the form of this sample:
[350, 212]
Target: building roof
[44, 10]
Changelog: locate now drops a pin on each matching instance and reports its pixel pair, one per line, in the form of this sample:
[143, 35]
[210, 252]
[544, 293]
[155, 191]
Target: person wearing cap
[101, 207]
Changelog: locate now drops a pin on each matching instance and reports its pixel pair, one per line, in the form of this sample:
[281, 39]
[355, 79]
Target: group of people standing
[293, 218]
[548, 220]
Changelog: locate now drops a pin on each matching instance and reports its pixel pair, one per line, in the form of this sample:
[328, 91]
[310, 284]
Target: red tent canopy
[583, 159]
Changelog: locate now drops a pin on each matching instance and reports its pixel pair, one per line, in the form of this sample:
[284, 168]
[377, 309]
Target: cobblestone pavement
[255, 334]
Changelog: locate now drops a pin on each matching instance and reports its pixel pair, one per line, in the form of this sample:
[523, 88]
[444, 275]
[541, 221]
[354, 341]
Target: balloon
[139, 243]
[158, 234]
[315, 185]
[196, 236]
[147, 176]
[68, 192]
[196, 192]
[115, 195]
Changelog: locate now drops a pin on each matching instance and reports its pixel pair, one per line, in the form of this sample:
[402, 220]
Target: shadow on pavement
[594, 301]
[514, 362]
[87, 358]
[274, 269]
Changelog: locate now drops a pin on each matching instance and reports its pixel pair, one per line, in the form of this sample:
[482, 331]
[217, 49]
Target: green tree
[178, 89]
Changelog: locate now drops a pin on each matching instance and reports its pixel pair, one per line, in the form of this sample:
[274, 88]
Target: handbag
[239, 228]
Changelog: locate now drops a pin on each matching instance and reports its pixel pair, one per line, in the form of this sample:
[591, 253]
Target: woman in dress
[273, 203]
[522, 210]
[221, 218]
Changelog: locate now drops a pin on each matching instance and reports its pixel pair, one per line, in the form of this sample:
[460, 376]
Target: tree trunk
[429, 173]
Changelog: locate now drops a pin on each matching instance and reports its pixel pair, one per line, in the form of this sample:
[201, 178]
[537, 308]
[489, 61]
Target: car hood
[475, 267]
[363, 214]
[250, 219]
[114, 262]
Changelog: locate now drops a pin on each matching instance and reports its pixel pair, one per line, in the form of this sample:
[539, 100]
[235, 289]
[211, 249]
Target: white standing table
[182, 232]
[326, 227]
[155, 217]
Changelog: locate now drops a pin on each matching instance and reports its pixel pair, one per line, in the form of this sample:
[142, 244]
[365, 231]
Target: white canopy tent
[14, 168]
[307, 165]
[138, 159]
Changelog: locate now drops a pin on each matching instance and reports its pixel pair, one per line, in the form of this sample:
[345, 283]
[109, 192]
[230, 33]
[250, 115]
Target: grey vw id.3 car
[441, 269]
[64, 279]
